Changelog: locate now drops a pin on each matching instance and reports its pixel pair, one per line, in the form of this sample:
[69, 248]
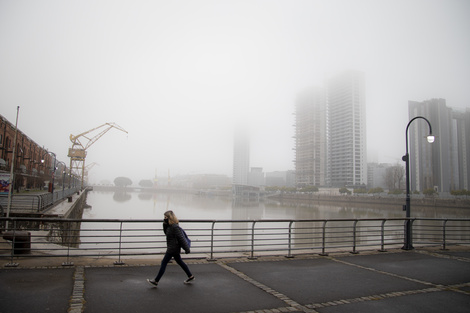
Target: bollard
[21, 241]
[69, 198]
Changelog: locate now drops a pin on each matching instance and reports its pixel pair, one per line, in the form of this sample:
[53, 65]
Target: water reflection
[254, 220]
[129, 205]
[145, 196]
[122, 196]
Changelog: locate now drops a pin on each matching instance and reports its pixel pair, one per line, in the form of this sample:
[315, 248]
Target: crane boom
[78, 152]
[76, 139]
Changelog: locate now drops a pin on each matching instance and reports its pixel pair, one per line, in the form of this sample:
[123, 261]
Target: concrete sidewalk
[422, 280]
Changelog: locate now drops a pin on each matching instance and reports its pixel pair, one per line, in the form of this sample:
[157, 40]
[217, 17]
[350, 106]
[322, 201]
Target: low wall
[76, 210]
[359, 200]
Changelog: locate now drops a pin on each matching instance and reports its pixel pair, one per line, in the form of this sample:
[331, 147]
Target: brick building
[33, 165]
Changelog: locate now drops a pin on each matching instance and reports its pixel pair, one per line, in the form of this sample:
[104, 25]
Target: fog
[178, 75]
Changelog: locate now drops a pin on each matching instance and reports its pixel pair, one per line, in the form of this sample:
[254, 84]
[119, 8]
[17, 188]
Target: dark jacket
[174, 239]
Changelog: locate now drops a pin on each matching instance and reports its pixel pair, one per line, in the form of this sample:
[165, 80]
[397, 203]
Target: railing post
[119, 262]
[39, 203]
[323, 253]
[11, 264]
[32, 203]
[252, 257]
[67, 242]
[289, 255]
[382, 230]
[212, 243]
[354, 238]
[444, 235]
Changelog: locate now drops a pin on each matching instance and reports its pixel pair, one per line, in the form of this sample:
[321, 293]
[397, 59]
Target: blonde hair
[172, 219]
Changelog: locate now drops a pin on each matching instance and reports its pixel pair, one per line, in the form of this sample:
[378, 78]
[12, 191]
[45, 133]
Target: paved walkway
[423, 280]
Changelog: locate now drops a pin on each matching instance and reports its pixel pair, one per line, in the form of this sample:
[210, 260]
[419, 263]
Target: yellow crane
[87, 169]
[78, 151]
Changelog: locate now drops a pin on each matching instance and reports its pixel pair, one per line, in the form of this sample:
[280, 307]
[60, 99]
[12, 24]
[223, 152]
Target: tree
[429, 192]
[288, 189]
[360, 190]
[462, 192]
[344, 190]
[122, 181]
[146, 183]
[394, 177]
[309, 189]
[375, 190]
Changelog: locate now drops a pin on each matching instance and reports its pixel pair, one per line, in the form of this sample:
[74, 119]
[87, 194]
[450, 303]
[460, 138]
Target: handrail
[120, 238]
[34, 203]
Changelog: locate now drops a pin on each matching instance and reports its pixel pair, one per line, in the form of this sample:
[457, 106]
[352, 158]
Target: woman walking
[174, 242]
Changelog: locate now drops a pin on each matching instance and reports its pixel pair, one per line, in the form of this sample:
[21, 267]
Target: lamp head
[430, 138]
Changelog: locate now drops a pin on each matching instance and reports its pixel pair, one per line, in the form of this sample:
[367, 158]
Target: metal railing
[221, 238]
[34, 203]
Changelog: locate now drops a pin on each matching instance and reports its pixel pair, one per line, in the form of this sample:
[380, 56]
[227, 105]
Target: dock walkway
[422, 280]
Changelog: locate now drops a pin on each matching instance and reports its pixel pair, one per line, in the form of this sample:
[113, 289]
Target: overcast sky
[178, 75]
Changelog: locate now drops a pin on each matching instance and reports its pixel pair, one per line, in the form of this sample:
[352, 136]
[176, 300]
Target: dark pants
[167, 259]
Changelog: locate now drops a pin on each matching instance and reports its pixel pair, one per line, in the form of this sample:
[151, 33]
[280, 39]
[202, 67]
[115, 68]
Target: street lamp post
[408, 245]
[64, 170]
[53, 168]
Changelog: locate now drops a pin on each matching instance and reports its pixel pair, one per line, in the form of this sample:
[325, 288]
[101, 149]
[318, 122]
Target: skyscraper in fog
[443, 165]
[346, 116]
[330, 133]
[241, 158]
[461, 149]
[310, 138]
